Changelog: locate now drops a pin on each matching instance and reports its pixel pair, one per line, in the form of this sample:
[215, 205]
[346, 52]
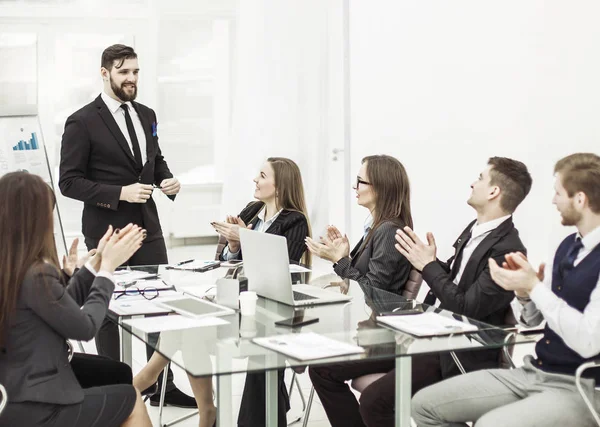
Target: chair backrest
[3, 398]
[222, 243]
[413, 284]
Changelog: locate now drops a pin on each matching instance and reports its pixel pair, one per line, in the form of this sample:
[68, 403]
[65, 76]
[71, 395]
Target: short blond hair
[581, 172]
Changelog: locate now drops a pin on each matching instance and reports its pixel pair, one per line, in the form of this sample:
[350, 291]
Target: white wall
[445, 85]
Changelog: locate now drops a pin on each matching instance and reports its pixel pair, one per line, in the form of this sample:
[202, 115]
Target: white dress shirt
[261, 227]
[118, 113]
[478, 233]
[580, 331]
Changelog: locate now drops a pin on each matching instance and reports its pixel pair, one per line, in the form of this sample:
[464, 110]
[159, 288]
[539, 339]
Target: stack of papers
[426, 324]
[307, 346]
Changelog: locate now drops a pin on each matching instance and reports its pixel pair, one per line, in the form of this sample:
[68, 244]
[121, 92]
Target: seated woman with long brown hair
[383, 188]
[38, 313]
[280, 209]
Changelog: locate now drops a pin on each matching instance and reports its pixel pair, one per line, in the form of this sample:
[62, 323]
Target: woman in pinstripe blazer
[383, 188]
[280, 209]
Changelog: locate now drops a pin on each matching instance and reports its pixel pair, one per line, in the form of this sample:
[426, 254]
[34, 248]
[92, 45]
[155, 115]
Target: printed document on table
[307, 346]
[172, 323]
[426, 324]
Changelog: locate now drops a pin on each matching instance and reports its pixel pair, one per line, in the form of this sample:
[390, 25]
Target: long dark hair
[26, 236]
[392, 191]
[290, 191]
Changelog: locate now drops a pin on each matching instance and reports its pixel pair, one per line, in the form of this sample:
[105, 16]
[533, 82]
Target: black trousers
[108, 400]
[152, 252]
[252, 409]
[377, 402]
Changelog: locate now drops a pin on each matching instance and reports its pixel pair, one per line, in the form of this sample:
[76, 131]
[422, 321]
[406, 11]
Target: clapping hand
[414, 249]
[71, 262]
[333, 247]
[516, 273]
[115, 248]
[230, 229]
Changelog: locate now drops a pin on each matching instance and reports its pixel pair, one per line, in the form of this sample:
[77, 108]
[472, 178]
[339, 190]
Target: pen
[185, 262]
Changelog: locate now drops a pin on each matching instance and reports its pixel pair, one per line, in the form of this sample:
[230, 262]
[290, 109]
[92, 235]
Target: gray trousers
[523, 397]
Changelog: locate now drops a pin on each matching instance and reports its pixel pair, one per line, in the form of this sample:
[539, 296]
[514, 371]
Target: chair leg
[297, 384]
[163, 391]
[460, 366]
[300, 392]
[308, 406]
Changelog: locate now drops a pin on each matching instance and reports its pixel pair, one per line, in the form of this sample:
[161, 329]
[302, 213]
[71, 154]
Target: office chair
[411, 290]
[578, 373]
[3, 398]
[505, 361]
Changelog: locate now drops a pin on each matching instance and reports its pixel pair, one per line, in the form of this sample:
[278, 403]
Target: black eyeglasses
[360, 181]
[148, 293]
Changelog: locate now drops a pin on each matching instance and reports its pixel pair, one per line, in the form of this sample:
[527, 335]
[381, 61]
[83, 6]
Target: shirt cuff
[341, 266]
[88, 265]
[542, 296]
[228, 255]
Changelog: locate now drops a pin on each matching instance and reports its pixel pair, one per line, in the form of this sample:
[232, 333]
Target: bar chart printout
[23, 145]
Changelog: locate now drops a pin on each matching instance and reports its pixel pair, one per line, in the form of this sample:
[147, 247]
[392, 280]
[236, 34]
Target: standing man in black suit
[111, 161]
[462, 285]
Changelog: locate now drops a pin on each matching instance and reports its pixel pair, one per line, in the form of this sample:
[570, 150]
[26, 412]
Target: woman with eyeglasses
[383, 188]
[38, 313]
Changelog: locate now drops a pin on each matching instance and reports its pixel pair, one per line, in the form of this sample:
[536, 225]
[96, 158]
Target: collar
[591, 240]
[261, 216]
[486, 227]
[368, 224]
[112, 104]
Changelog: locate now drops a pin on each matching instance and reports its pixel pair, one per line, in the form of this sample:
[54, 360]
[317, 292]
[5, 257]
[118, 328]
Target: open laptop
[266, 265]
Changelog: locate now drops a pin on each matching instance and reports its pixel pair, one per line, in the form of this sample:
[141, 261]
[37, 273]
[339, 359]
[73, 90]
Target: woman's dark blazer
[377, 263]
[290, 224]
[34, 364]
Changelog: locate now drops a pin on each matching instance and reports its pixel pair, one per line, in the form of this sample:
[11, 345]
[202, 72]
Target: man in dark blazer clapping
[111, 161]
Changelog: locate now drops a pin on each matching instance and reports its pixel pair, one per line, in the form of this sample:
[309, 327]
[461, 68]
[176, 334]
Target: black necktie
[566, 264]
[430, 297]
[137, 154]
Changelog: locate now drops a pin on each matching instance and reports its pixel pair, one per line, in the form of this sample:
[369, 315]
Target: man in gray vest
[567, 296]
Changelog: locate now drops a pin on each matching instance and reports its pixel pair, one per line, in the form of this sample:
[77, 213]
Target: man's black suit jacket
[476, 295]
[96, 162]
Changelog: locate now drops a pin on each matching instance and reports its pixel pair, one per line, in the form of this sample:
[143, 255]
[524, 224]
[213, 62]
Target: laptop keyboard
[298, 296]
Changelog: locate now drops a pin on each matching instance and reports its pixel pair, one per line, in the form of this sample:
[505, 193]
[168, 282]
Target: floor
[317, 414]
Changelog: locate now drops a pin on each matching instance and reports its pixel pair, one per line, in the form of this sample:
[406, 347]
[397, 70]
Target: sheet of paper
[295, 268]
[307, 346]
[426, 324]
[118, 296]
[136, 306]
[172, 323]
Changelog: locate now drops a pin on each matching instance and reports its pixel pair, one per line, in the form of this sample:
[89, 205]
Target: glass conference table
[211, 350]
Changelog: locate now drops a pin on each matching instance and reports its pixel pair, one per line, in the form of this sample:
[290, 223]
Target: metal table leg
[224, 388]
[271, 394]
[403, 390]
[126, 344]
